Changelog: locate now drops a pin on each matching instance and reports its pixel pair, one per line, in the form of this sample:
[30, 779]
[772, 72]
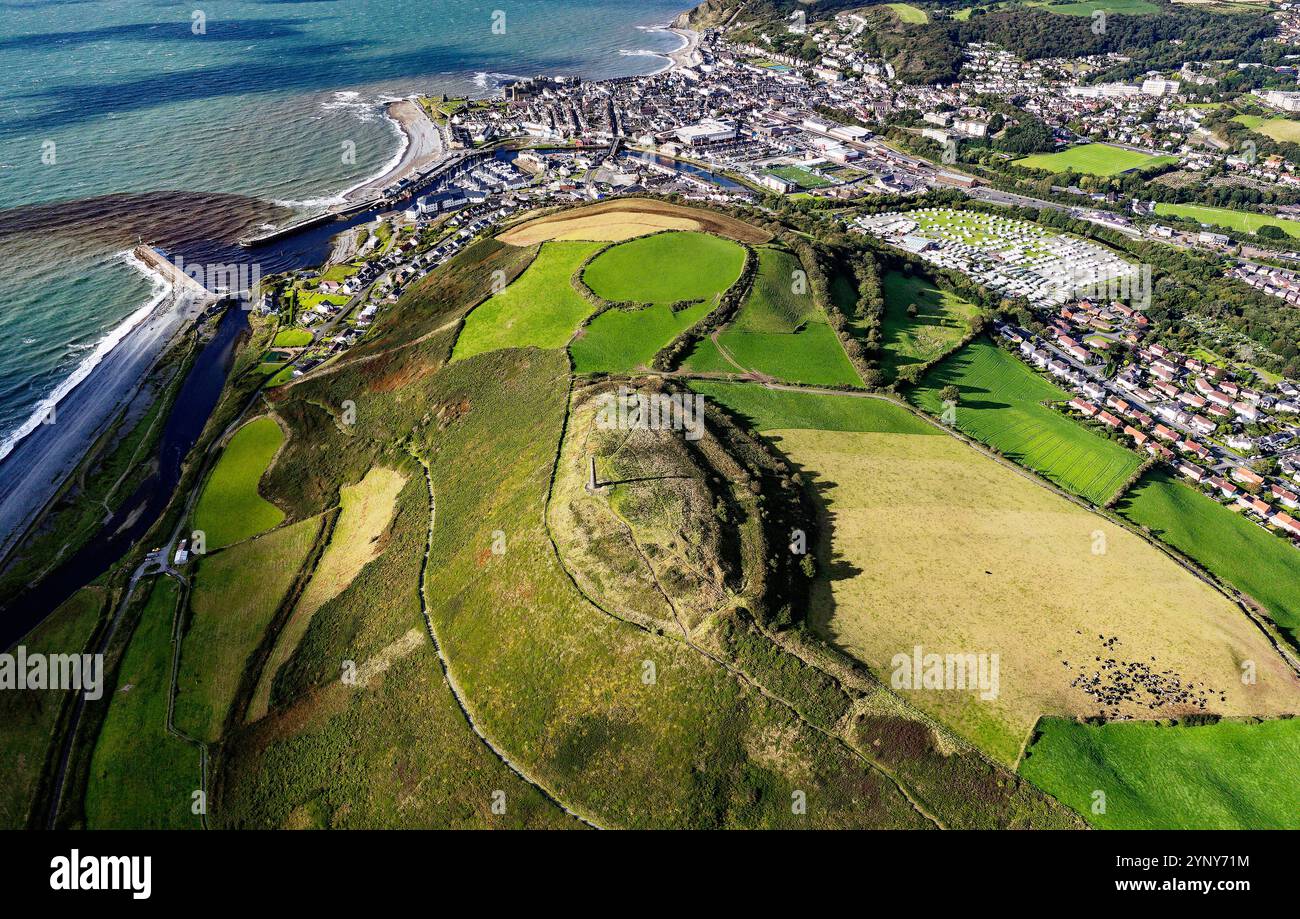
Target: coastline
[421, 147]
[688, 54]
[37, 465]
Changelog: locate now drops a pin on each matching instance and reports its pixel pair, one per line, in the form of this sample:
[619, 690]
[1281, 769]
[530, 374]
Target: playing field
[230, 508]
[1286, 130]
[540, 309]
[1233, 220]
[1088, 7]
[236, 594]
[665, 268]
[1228, 545]
[930, 544]
[623, 340]
[1093, 159]
[939, 324]
[804, 178]
[1229, 775]
[780, 331]
[1001, 405]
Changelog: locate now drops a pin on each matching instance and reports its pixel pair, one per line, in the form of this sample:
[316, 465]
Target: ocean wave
[161, 291]
[491, 80]
[341, 198]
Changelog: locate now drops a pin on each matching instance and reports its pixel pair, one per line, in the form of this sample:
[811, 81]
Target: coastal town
[874, 417]
[733, 122]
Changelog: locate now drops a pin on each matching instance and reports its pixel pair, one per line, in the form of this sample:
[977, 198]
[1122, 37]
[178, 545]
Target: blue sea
[128, 120]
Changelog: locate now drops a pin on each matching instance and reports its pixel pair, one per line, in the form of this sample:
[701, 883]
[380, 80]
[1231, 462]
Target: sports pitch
[1230, 219]
[1093, 159]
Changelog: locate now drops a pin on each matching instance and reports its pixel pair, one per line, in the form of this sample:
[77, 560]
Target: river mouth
[199, 393]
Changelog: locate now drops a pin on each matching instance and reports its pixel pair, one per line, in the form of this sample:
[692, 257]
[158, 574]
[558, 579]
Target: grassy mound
[666, 268]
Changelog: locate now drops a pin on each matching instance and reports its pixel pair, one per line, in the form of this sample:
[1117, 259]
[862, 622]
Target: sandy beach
[423, 147]
[688, 54]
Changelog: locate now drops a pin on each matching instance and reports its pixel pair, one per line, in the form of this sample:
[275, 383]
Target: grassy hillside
[1001, 404]
[231, 508]
[1228, 545]
[141, 775]
[937, 327]
[624, 340]
[30, 718]
[1229, 775]
[780, 331]
[540, 309]
[935, 545]
[236, 594]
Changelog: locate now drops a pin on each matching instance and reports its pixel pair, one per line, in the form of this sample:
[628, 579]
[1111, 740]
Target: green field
[908, 13]
[29, 718]
[236, 593]
[140, 775]
[1233, 220]
[1088, 7]
[230, 508]
[766, 409]
[623, 340]
[540, 309]
[939, 325]
[780, 331]
[1223, 541]
[1001, 405]
[1092, 159]
[1286, 130]
[665, 268]
[929, 542]
[291, 338]
[1229, 775]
